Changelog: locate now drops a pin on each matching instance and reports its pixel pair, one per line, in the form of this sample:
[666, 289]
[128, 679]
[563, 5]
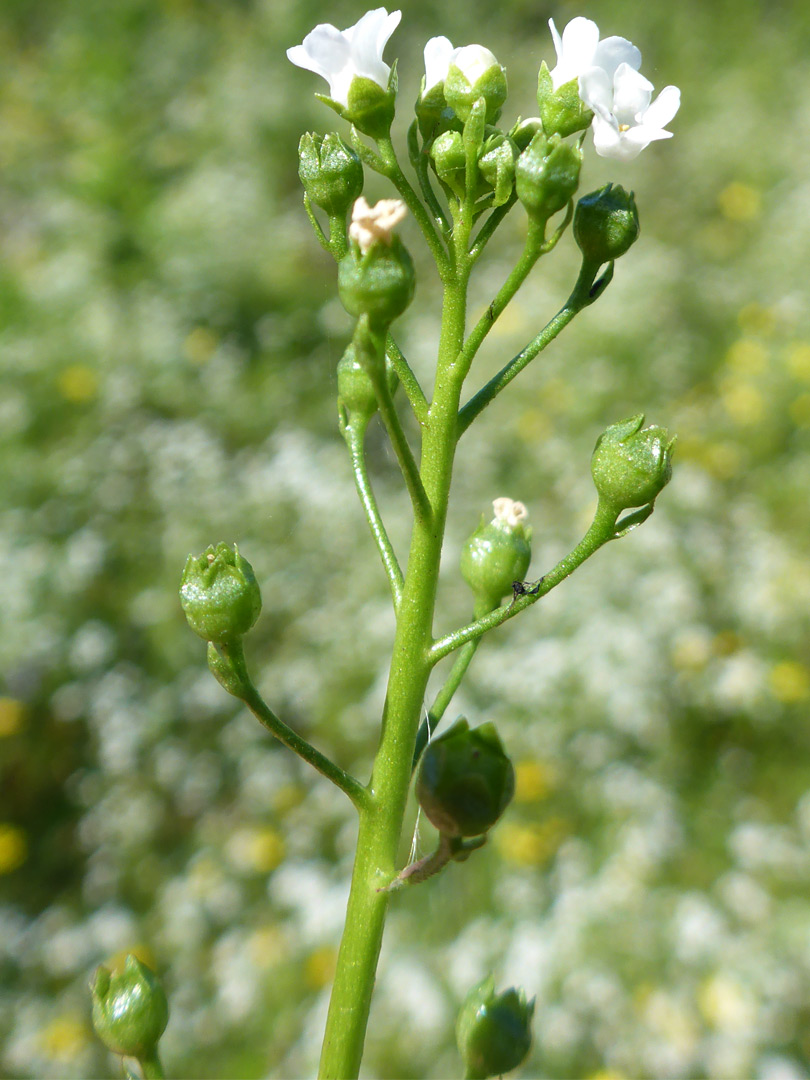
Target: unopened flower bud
[130, 1011]
[330, 171]
[606, 224]
[497, 553]
[562, 111]
[525, 130]
[631, 464]
[497, 165]
[547, 175]
[465, 780]
[376, 277]
[494, 1031]
[450, 160]
[474, 73]
[219, 594]
[355, 388]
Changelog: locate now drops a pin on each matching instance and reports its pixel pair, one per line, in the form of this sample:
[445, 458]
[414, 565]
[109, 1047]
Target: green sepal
[493, 556]
[370, 108]
[433, 114]
[497, 165]
[130, 1010]
[461, 95]
[547, 176]
[563, 111]
[219, 594]
[355, 387]
[330, 172]
[606, 223]
[493, 1031]
[379, 284]
[632, 464]
[525, 130]
[465, 780]
[449, 160]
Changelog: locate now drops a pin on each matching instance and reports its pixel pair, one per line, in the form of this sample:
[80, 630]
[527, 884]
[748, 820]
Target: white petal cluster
[509, 512]
[611, 85]
[375, 224]
[471, 60]
[340, 55]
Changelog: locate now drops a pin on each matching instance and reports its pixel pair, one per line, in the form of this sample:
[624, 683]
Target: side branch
[355, 433]
[585, 293]
[390, 167]
[411, 384]
[241, 686]
[603, 529]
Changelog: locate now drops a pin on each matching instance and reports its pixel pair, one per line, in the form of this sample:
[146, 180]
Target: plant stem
[416, 394]
[151, 1067]
[355, 434]
[580, 298]
[391, 169]
[602, 530]
[381, 820]
[248, 693]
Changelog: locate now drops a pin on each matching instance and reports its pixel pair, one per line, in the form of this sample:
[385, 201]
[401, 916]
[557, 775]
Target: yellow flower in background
[739, 202]
[789, 682]
[257, 850]
[319, 967]
[65, 1038]
[78, 383]
[13, 848]
[12, 713]
[533, 781]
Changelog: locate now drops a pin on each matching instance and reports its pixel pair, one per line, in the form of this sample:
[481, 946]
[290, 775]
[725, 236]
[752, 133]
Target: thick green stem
[381, 821]
[603, 529]
[243, 688]
[151, 1066]
[355, 434]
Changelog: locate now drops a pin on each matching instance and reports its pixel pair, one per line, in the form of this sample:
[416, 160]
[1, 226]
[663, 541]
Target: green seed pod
[606, 224]
[330, 171]
[547, 176]
[355, 388]
[631, 465]
[378, 283]
[497, 553]
[130, 1011]
[562, 111]
[493, 1031]
[465, 780]
[474, 74]
[219, 594]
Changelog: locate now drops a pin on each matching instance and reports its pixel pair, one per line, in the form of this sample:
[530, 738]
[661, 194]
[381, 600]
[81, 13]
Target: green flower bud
[130, 1011]
[450, 160]
[562, 111]
[631, 465]
[497, 554]
[376, 276]
[474, 74]
[547, 175]
[330, 171]
[219, 594]
[497, 165]
[355, 388]
[525, 130]
[606, 224]
[494, 1031]
[465, 780]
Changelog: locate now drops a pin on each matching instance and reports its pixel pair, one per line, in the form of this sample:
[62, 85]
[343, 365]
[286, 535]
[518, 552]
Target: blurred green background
[169, 331]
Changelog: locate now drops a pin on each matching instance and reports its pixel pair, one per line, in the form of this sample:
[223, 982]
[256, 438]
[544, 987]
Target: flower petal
[606, 139]
[614, 51]
[324, 50]
[663, 109]
[473, 60]
[575, 49]
[368, 38]
[596, 90]
[631, 95]
[438, 54]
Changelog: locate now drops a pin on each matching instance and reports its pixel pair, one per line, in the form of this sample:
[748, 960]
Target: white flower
[340, 55]
[471, 60]
[579, 49]
[373, 224]
[624, 120]
[509, 512]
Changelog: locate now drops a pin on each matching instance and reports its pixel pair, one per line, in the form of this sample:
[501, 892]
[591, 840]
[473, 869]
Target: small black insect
[523, 588]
